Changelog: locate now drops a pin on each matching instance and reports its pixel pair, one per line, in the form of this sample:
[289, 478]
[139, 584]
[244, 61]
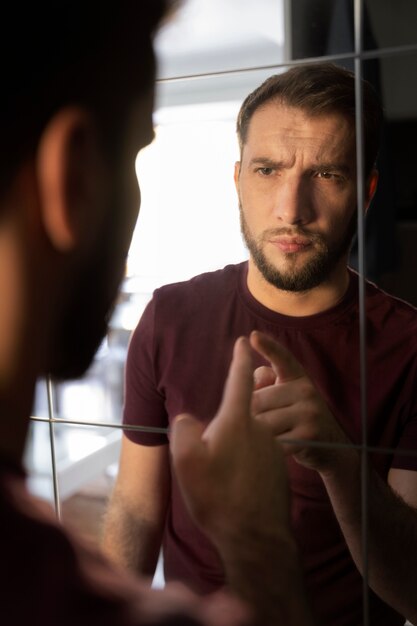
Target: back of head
[53, 54]
[318, 89]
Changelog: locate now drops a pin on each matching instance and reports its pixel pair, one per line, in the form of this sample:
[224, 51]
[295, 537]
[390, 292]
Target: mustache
[292, 232]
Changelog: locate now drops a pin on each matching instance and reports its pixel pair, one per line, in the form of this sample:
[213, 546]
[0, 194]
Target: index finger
[237, 394]
[284, 364]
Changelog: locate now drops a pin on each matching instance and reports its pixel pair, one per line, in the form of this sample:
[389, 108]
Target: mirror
[211, 57]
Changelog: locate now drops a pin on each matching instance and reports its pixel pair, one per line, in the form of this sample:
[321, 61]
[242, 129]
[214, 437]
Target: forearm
[391, 535]
[130, 541]
[267, 575]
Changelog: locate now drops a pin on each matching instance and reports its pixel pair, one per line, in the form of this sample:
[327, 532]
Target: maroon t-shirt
[178, 359]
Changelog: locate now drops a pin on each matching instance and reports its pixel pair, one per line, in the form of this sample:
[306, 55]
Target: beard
[314, 272]
[82, 327]
[84, 322]
[91, 297]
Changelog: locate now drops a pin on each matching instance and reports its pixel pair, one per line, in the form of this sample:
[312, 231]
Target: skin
[296, 183]
[135, 515]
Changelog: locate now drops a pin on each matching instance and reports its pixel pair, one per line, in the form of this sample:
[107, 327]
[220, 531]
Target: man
[296, 182]
[76, 108]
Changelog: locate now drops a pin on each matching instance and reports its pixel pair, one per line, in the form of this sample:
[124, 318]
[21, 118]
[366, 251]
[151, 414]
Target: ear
[67, 172]
[236, 173]
[371, 187]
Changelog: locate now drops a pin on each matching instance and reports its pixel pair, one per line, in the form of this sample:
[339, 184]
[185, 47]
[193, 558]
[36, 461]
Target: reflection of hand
[232, 473]
[286, 399]
[233, 479]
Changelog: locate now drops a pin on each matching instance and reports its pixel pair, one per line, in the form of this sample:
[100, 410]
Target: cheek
[341, 226]
[255, 202]
[333, 208]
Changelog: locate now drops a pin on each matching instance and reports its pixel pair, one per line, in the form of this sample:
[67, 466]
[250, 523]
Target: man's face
[297, 194]
[92, 297]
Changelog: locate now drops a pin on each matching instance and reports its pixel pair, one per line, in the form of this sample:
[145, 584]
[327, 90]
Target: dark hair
[318, 89]
[92, 53]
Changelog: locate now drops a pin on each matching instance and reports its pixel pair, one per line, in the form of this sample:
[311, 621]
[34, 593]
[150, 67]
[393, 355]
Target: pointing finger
[285, 366]
[237, 393]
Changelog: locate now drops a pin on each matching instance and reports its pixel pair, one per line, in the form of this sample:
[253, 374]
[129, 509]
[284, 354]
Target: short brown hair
[318, 89]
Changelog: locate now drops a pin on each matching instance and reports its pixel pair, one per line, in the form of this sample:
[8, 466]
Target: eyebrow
[322, 167]
[266, 162]
[332, 167]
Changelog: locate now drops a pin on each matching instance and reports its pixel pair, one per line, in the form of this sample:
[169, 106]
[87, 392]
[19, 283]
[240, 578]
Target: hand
[231, 473]
[286, 400]
[233, 479]
[176, 605]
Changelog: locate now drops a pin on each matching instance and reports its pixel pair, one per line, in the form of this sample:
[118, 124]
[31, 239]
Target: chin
[75, 354]
[80, 333]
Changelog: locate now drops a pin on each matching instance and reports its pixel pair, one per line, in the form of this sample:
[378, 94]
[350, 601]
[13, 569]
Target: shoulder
[39, 555]
[200, 290]
[382, 308]
[391, 325]
[36, 540]
[188, 304]
[387, 309]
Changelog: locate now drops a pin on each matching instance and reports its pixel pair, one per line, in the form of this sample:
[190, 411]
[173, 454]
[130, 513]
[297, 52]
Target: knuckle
[306, 391]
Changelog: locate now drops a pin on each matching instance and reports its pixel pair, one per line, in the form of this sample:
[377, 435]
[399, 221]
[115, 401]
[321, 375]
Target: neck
[303, 303]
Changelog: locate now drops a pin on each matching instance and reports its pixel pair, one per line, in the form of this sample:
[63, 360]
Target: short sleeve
[144, 405]
[405, 456]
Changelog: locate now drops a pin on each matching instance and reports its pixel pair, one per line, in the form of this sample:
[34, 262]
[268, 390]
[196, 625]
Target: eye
[331, 176]
[265, 171]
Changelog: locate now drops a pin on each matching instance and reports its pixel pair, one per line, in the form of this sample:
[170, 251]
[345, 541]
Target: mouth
[290, 245]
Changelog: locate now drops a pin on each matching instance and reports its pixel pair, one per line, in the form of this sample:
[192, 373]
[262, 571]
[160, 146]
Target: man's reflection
[297, 190]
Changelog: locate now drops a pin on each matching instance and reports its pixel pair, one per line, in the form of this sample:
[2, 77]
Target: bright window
[189, 218]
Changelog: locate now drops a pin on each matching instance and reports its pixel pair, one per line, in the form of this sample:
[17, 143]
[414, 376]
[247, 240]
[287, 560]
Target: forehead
[276, 126]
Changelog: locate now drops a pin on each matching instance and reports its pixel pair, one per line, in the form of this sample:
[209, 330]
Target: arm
[287, 400]
[135, 517]
[233, 479]
[392, 523]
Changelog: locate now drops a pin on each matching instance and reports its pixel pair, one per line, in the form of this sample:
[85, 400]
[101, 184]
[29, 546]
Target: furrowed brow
[266, 162]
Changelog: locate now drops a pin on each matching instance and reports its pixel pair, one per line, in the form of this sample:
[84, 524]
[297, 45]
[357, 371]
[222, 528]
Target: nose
[292, 201]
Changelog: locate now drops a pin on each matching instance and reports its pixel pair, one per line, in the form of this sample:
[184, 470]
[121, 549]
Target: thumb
[264, 376]
[237, 394]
